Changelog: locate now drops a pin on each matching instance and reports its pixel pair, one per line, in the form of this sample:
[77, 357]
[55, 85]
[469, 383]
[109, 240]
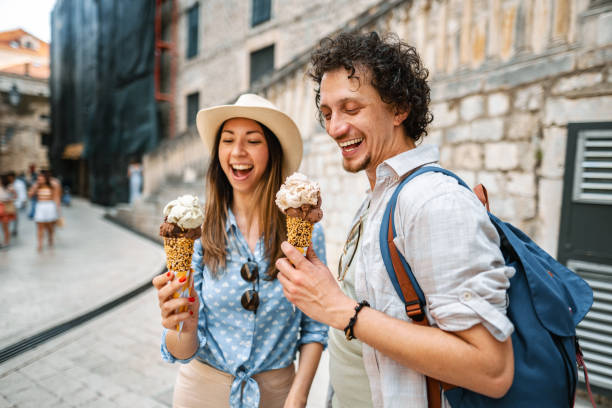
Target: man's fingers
[284, 266]
[288, 286]
[312, 256]
[294, 256]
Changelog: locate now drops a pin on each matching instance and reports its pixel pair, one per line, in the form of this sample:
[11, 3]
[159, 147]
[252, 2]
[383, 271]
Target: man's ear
[400, 116]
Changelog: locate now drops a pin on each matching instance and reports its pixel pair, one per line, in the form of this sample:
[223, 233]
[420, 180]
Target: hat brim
[208, 122]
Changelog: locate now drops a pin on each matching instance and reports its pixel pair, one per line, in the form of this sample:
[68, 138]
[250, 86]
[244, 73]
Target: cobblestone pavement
[111, 361]
[93, 261]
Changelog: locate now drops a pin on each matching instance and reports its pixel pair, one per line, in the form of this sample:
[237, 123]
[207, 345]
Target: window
[261, 11]
[193, 104]
[262, 63]
[193, 19]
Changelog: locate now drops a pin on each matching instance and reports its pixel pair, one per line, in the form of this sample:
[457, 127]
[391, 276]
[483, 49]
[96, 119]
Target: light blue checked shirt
[240, 342]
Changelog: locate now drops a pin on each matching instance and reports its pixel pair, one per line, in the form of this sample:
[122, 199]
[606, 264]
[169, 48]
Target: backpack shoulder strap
[401, 275]
[399, 271]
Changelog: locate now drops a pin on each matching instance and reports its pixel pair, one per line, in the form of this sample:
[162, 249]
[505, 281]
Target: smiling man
[373, 99]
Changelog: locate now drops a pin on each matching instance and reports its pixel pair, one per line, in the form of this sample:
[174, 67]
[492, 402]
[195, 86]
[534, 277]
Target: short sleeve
[454, 253]
[312, 331]
[198, 269]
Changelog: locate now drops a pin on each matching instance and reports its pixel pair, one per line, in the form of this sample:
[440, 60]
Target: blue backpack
[546, 302]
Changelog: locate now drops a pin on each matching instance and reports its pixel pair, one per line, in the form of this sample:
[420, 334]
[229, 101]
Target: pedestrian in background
[47, 193]
[7, 206]
[240, 335]
[21, 198]
[32, 177]
[135, 178]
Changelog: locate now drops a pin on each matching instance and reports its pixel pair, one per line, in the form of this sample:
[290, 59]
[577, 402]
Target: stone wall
[22, 127]
[507, 76]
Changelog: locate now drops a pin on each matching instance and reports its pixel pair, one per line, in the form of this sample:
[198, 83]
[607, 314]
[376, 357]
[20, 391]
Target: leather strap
[481, 193]
[415, 311]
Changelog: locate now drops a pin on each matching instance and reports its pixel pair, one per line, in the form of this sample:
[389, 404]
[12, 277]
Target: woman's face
[40, 179]
[243, 154]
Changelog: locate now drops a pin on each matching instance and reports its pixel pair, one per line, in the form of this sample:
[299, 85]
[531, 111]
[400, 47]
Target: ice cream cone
[180, 229]
[299, 232]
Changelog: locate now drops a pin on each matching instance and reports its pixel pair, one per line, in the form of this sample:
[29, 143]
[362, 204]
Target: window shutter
[595, 331]
[593, 171]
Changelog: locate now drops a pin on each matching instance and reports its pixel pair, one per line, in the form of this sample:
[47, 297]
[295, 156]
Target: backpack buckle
[414, 310]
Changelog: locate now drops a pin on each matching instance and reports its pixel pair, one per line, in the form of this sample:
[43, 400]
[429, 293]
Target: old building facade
[24, 101]
[522, 102]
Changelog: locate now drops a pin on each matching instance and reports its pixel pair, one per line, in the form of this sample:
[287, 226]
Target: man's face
[367, 130]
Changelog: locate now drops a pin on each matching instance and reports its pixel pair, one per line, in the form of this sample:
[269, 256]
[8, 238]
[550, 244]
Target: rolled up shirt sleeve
[455, 256]
[196, 264]
[312, 331]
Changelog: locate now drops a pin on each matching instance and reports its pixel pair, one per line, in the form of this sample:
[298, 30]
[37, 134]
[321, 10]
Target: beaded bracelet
[348, 330]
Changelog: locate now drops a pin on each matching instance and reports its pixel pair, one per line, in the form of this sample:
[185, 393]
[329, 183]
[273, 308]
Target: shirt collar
[409, 160]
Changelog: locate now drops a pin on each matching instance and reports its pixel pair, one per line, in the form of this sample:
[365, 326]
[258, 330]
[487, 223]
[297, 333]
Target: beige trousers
[199, 385]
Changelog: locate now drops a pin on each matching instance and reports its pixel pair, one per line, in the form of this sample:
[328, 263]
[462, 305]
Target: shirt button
[466, 296]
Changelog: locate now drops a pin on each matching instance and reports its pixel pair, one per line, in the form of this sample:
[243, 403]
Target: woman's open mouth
[241, 171]
[350, 145]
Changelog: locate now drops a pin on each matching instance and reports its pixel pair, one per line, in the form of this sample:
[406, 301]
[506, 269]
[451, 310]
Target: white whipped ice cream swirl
[185, 211]
[296, 191]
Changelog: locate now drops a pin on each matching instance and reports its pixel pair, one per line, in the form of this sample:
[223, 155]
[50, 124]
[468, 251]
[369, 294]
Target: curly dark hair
[396, 69]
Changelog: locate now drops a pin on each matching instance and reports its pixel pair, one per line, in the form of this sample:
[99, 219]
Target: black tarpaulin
[102, 88]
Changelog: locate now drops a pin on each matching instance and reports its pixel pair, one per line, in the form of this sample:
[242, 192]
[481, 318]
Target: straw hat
[255, 107]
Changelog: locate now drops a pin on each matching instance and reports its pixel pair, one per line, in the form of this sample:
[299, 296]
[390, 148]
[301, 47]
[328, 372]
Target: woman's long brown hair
[219, 198]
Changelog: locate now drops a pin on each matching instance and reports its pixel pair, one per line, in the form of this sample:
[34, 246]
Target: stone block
[522, 125]
[524, 208]
[493, 181]
[529, 98]
[560, 111]
[521, 184]
[468, 156]
[471, 107]
[497, 104]
[553, 152]
[503, 207]
[501, 156]
[550, 197]
[575, 82]
[516, 75]
[444, 114]
[484, 130]
[446, 156]
[458, 134]
[466, 175]
[590, 58]
[527, 156]
[604, 29]
[434, 137]
[455, 89]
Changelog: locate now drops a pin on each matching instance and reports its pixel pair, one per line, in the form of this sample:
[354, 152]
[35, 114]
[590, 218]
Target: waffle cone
[178, 254]
[299, 232]
[178, 260]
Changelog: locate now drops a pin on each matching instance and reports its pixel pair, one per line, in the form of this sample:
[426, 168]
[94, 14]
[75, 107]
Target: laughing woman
[240, 335]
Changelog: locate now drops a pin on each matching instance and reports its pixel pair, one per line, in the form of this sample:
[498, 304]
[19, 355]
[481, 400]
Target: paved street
[110, 361]
[93, 261]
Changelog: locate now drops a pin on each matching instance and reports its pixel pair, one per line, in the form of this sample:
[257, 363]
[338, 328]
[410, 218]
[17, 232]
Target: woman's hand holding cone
[167, 284]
